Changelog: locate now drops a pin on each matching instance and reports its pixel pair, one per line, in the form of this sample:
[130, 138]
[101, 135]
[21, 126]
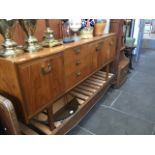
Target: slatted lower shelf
[84, 92]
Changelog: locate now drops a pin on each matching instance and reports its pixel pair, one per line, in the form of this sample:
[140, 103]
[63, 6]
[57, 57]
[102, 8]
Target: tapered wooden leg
[107, 72]
[50, 117]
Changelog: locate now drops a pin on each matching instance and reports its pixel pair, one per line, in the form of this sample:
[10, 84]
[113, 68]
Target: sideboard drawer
[72, 54]
[78, 63]
[41, 82]
[76, 76]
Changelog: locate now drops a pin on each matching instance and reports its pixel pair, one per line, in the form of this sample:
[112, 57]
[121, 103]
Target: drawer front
[76, 76]
[78, 64]
[41, 82]
[72, 54]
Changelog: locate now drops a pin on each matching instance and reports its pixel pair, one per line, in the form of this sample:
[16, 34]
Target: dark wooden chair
[9, 124]
[8, 118]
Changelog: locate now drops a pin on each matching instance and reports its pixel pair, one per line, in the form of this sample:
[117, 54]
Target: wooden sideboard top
[48, 51]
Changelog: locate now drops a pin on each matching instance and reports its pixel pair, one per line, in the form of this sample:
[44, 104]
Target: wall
[19, 35]
[136, 30]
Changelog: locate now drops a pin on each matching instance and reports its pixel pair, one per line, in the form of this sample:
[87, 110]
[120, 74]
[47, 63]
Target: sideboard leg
[107, 72]
[50, 117]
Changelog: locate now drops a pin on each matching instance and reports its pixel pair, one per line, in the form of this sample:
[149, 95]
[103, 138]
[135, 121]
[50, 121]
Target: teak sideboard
[35, 81]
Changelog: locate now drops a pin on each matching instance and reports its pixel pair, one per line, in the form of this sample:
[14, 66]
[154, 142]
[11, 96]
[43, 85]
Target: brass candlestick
[31, 43]
[48, 39]
[9, 45]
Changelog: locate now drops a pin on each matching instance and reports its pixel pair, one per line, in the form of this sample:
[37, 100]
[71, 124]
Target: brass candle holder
[48, 39]
[9, 46]
[31, 43]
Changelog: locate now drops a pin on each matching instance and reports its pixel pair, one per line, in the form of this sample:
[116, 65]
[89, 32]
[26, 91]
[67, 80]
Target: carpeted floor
[129, 110]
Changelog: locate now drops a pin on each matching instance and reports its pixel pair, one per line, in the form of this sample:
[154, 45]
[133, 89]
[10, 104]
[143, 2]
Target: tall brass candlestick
[48, 39]
[31, 43]
[9, 45]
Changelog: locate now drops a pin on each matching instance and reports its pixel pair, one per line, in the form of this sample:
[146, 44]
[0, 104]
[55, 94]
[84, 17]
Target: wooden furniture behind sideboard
[121, 64]
[34, 81]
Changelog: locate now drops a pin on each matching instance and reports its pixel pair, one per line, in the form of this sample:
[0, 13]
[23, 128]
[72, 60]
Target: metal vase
[9, 46]
[31, 43]
[48, 39]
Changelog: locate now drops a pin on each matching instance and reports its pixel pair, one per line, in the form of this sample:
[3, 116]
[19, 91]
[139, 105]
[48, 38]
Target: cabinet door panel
[103, 54]
[41, 82]
[99, 56]
[94, 53]
[108, 51]
[57, 76]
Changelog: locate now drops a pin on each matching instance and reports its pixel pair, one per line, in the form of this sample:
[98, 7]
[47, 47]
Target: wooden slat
[41, 117]
[26, 130]
[81, 96]
[80, 101]
[98, 77]
[45, 111]
[87, 88]
[100, 74]
[95, 83]
[91, 85]
[103, 74]
[97, 80]
[83, 91]
[42, 127]
[58, 123]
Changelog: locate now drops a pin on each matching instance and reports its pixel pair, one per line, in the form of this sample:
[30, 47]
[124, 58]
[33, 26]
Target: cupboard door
[106, 50]
[102, 54]
[99, 56]
[109, 49]
[57, 76]
[94, 53]
[41, 82]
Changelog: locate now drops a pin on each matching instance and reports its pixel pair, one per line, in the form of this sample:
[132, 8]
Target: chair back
[8, 118]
